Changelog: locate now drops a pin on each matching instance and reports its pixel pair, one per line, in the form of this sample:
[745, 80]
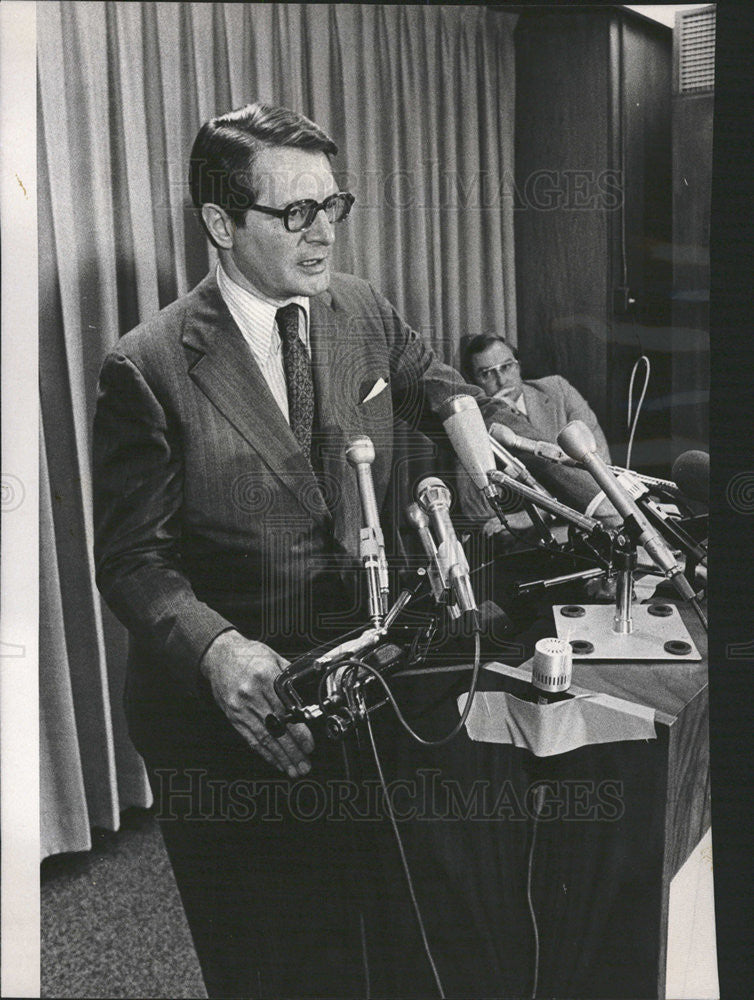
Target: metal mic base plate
[654, 637]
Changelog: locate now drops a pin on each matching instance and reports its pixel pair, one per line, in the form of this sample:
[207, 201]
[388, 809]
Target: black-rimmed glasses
[300, 215]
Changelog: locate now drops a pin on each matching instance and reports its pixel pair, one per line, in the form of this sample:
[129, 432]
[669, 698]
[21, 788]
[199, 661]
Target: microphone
[578, 442]
[513, 466]
[360, 455]
[691, 475]
[639, 490]
[567, 479]
[439, 584]
[551, 670]
[464, 425]
[434, 496]
[543, 449]
[546, 502]
[504, 436]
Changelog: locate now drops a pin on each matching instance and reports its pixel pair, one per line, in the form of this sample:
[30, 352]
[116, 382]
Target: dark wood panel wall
[561, 230]
[692, 179]
[641, 316]
[594, 212]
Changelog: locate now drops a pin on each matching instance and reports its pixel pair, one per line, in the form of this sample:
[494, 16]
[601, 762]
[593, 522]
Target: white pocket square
[376, 389]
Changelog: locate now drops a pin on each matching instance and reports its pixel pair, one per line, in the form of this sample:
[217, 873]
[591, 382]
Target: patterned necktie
[298, 377]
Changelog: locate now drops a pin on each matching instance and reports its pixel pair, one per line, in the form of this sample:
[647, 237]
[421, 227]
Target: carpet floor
[112, 921]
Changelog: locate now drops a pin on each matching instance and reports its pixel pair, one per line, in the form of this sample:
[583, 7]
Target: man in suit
[227, 540]
[537, 409]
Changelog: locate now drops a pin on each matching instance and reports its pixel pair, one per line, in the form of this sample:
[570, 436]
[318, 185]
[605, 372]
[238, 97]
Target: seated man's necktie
[298, 377]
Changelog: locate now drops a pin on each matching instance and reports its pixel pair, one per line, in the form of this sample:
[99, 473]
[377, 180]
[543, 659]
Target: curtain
[420, 102]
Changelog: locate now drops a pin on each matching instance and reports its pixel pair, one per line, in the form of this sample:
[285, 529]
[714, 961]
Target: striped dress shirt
[255, 317]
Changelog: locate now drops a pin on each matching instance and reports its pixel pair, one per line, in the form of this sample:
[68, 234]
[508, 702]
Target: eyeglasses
[496, 369]
[300, 215]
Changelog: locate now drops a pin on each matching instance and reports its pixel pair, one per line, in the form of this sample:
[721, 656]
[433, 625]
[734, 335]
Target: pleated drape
[420, 101]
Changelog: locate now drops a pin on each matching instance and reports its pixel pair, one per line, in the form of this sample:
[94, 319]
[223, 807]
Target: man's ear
[219, 225]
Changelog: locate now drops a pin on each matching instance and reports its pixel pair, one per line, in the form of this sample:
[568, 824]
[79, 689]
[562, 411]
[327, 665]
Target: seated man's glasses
[496, 369]
[300, 215]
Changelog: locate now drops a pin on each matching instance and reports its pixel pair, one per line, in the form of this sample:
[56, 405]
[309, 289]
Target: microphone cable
[404, 862]
[538, 803]
[696, 605]
[632, 428]
[355, 665]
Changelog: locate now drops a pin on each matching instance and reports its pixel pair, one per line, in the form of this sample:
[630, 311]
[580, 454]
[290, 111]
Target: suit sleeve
[413, 364]
[577, 408]
[138, 495]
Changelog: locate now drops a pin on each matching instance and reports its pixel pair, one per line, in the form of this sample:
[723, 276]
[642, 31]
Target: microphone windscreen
[691, 475]
[577, 440]
[360, 450]
[465, 427]
[430, 486]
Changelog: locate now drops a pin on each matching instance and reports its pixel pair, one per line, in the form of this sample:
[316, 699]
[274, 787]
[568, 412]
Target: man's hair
[480, 343]
[221, 168]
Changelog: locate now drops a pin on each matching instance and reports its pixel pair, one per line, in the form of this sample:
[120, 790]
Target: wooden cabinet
[593, 212]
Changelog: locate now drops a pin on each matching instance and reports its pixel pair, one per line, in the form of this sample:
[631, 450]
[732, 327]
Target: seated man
[537, 409]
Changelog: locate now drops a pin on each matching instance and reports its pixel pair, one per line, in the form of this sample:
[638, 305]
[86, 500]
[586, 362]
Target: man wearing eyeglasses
[537, 409]
[494, 367]
[547, 403]
[227, 541]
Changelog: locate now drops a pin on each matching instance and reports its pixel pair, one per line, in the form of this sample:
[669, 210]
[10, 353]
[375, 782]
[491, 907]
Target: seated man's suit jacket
[207, 513]
[551, 403]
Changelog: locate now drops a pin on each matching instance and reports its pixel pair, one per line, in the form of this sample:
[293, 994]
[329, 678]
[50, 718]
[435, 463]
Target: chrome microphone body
[360, 455]
[546, 502]
[514, 467]
[434, 496]
[420, 520]
[543, 449]
[577, 440]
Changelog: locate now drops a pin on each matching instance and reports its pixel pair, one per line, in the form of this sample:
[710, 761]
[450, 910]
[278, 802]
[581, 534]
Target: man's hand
[241, 673]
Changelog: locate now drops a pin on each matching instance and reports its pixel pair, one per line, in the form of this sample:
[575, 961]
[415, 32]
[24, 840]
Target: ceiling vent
[695, 30]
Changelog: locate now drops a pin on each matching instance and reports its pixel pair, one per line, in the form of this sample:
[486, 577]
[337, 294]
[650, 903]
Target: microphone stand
[557, 581]
[673, 530]
[545, 501]
[325, 683]
[625, 563]
[625, 631]
[543, 529]
[518, 471]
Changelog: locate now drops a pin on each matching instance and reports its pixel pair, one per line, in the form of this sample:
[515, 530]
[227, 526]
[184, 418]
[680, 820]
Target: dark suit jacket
[207, 514]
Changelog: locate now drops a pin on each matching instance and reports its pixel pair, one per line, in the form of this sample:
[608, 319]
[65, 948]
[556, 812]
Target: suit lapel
[541, 411]
[522, 424]
[222, 365]
[536, 404]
